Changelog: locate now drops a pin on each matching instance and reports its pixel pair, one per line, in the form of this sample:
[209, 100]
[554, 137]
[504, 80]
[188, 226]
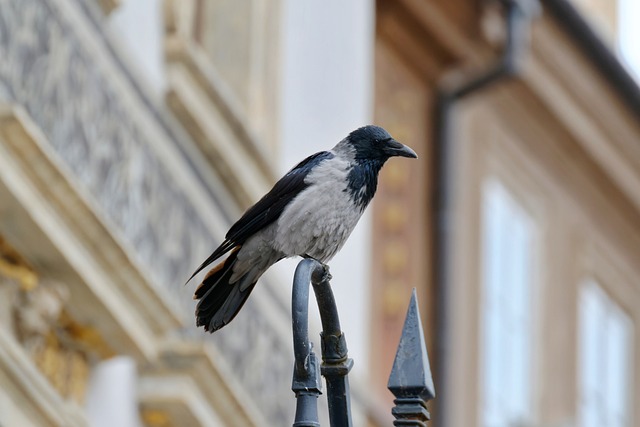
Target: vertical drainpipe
[517, 22]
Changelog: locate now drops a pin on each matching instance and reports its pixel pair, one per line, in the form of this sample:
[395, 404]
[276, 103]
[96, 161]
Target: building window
[507, 251]
[605, 360]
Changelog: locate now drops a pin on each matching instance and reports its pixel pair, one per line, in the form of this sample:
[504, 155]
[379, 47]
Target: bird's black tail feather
[219, 300]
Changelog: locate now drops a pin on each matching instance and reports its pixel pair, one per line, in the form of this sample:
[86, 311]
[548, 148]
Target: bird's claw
[326, 274]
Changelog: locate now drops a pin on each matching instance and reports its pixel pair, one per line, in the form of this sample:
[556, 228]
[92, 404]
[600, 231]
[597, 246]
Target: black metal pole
[335, 362]
[336, 365]
[306, 374]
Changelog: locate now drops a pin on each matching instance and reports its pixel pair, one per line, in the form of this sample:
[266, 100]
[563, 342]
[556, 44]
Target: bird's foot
[326, 274]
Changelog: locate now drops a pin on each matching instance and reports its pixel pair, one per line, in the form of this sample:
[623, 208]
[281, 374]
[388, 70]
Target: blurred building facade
[536, 320]
[132, 133]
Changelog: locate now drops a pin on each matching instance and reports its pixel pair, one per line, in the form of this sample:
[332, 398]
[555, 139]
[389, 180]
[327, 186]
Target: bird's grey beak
[394, 148]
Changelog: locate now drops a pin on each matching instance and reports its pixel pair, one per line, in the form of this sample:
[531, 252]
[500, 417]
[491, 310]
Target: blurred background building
[134, 132]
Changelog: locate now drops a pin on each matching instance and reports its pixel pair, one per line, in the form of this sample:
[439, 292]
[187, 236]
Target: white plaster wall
[327, 83]
[136, 28]
[112, 395]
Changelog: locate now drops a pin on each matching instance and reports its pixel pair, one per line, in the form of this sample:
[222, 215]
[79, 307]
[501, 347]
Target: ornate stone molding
[85, 116]
[105, 196]
[235, 49]
[191, 386]
[61, 348]
[56, 227]
[13, 265]
[41, 402]
[196, 96]
[210, 112]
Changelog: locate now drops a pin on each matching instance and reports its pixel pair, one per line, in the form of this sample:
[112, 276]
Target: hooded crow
[309, 212]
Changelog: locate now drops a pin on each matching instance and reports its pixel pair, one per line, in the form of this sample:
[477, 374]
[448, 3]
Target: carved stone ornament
[81, 106]
[47, 71]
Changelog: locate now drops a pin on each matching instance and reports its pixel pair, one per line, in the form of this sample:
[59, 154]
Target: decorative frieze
[61, 348]
[74, 93]
[47, 71]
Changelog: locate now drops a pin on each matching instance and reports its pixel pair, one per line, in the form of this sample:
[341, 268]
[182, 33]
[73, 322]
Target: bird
[310, 212]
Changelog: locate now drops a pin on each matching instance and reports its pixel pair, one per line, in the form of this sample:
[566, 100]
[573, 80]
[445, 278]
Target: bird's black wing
[268, 208]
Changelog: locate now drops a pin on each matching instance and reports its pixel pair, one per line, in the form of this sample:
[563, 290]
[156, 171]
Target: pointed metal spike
[411, 374]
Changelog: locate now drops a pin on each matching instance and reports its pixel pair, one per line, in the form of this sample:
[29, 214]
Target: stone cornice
[204, 382]
[57, 227]
[579, 97]
[206, 107]
[108, 138]
[425, 35]
[85, 252]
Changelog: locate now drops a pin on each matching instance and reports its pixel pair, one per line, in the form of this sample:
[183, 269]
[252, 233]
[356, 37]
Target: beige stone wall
[603, 15]
[564, 144]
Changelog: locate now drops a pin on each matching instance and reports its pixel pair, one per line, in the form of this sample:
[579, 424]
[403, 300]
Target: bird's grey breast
[321, 218]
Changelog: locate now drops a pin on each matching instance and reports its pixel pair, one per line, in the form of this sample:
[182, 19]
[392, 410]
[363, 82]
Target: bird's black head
[368, 148]
[374, 143]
